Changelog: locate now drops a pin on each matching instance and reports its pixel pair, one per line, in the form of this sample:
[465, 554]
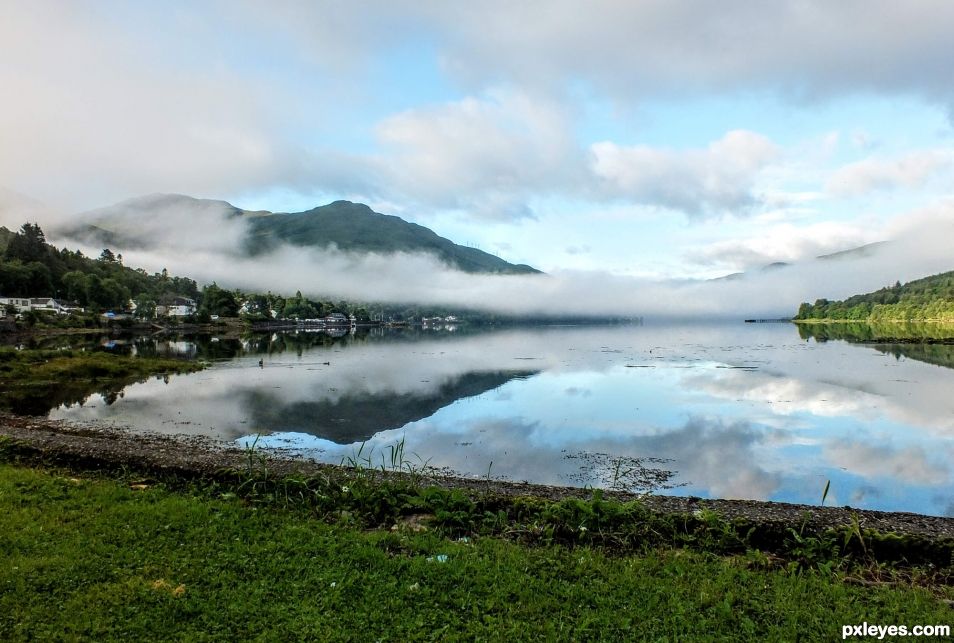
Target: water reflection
[937, 354]
[905, 340]
[37, 400]
[883, 332]
[357, 417]
[732, 410]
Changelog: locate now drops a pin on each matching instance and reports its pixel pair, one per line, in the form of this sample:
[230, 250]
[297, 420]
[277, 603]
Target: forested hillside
[347, 226]
[930, 298]
[356, 227]
[30, 267]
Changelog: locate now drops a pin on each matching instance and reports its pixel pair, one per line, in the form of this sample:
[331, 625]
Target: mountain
[144, 222]
[356, 227]
[867, 250]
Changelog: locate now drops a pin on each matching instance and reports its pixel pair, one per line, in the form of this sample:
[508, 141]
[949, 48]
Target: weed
[250, 454]
[854, 532]
[381, 498]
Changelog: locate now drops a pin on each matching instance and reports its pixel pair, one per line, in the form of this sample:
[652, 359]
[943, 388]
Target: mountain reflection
[719, 410]
[358, 416]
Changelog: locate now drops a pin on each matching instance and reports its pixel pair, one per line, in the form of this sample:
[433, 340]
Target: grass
[44, 366]
[91, 557]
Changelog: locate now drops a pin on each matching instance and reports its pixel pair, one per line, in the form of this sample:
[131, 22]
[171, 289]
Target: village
[184, 309]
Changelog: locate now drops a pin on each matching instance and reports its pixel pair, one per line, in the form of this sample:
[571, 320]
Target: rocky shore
[101, 447]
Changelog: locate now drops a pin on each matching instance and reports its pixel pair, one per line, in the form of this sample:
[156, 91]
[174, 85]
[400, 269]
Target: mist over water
[205, 241]
[716, 410]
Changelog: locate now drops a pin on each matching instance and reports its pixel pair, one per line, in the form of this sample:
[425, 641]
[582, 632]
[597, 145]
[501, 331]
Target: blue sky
[650, 139]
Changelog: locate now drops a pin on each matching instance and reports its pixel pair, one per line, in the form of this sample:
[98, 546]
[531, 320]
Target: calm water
[724, 411]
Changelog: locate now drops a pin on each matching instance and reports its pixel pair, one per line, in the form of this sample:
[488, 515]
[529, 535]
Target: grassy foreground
[93, 558]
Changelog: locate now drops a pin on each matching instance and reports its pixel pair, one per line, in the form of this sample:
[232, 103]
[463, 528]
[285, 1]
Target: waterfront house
[40, 304]
[337, 319]
[176, 307]
[22, 304]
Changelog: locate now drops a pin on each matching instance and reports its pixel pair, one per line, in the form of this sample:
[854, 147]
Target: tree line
[930, 298]
[31, 267]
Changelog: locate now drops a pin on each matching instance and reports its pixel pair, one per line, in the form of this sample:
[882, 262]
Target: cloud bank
[211, 251]
[911, 170]
[105, 100]
[802, 50]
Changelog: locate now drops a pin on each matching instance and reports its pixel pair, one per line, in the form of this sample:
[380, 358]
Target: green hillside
[143, 223]
[927, 299]
[31, 267]
[356, 227]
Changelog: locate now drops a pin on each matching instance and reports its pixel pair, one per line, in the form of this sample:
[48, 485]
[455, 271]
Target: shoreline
[871, 322]
[925, 326]
[98, 447]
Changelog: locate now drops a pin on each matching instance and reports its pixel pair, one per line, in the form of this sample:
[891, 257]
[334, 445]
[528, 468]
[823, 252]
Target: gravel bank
[94, 446]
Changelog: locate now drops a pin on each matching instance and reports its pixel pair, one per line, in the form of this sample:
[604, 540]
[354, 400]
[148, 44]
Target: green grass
[37, 366]
[92, 558]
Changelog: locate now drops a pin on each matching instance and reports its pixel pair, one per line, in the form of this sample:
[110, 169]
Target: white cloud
[489, 157]
[700, 182]
[801, 50]
[911, 170]
[92, 111]
[920, 247]
[103, 103]
[783, 242]
[485, 156]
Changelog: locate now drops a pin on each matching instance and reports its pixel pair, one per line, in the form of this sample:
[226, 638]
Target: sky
[651, 140]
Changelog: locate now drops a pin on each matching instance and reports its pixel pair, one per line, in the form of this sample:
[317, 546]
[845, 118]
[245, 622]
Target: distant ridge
[855, 253]
[356, 227]
[866, 250]
[351, 227]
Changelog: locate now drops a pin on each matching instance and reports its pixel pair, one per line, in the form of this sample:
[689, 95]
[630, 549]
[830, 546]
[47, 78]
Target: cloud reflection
[795, 414]
[911, 464]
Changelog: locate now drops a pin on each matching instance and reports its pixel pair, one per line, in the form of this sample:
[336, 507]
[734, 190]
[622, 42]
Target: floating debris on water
[622, 473]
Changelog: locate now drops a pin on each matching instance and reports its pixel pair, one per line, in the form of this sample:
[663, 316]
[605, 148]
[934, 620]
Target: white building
[22, 304]
[177, 307]
[40, 304]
